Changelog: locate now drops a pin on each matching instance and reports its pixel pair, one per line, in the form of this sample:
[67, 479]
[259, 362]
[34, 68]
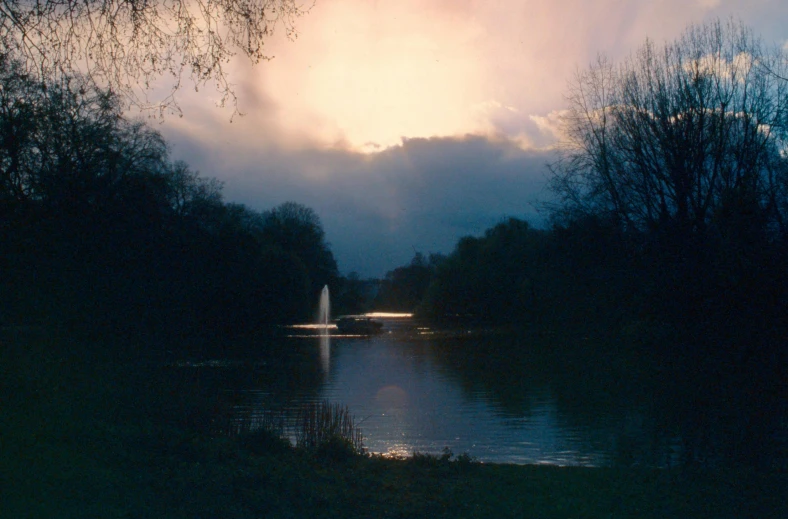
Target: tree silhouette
[671, 136]
[297, 229]
[100, 232]
[404, 287]
[65, 145]
[126, 45]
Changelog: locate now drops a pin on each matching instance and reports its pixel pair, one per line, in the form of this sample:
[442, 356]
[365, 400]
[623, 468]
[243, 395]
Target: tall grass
[272, 421]
[322, 423]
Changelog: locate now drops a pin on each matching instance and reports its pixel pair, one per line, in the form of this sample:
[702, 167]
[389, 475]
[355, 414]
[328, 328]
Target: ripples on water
[415, 388]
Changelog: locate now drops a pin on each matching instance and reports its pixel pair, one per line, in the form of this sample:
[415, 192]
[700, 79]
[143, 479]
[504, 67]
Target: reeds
[321, 423]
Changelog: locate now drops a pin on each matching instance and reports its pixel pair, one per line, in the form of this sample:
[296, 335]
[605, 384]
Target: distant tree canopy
[297, 229]
[353, 295]
[404, 287]
[488, 278]
[687, 136]
[125, 46]
[100, 229]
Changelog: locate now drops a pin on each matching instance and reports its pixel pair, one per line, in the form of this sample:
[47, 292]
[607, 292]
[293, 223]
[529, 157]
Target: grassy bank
[93, 438]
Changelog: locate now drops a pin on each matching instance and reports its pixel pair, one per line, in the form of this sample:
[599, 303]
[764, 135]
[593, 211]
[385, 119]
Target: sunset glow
[410, 124]
[374, 75]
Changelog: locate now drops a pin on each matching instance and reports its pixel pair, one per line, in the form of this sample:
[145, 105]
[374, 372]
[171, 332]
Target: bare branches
[126, 46]
[672, 132]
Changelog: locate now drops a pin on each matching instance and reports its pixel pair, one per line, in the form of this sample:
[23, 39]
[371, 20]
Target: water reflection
[325, 352]
[499, 396]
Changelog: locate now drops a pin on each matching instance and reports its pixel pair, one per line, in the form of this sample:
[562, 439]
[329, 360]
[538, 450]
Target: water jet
[324, 313]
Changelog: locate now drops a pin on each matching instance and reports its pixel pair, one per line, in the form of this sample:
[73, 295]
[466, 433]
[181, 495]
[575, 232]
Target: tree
[297, 229]
[99, 230]
[64, 144]
[188, 191]
[671, 136]
[126, 45]
[490, 278]
[404, 287]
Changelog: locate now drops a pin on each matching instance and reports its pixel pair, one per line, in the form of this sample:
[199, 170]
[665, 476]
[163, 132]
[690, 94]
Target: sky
[408, 124]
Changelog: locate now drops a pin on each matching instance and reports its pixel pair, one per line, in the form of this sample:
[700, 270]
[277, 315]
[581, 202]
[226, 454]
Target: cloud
[362, 75]
[423, 194]
[409, 124]
[550, 125]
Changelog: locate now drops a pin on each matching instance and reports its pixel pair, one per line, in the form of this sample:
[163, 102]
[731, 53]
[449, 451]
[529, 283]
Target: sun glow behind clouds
[371, 75]
[363, 75]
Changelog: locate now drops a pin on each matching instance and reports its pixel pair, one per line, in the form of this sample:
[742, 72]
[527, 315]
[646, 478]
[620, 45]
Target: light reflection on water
[413, 389]
[405, 403]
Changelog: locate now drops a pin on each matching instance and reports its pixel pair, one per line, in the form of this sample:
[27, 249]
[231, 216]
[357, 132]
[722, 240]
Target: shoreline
[84, 439]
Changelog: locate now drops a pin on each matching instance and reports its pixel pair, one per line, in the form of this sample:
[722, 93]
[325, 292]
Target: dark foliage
[492, 278]
[669, 216]
[100, 232]
[404, 287]
[353, 295]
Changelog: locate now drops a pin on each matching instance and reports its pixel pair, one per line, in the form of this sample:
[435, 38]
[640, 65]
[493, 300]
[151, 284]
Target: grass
[94, 439]
[320, 424]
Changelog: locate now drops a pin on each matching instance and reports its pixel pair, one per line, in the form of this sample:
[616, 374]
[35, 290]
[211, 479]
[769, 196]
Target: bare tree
[674, 133]
[126, 45]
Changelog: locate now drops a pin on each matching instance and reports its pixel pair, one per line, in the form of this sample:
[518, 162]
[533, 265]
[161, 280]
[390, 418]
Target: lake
[502, 396]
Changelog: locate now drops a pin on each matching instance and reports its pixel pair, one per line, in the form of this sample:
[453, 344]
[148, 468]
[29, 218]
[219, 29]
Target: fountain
[323, 318]
[324, 314]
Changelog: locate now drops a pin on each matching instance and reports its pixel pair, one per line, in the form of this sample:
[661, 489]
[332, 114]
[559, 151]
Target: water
[499, 397]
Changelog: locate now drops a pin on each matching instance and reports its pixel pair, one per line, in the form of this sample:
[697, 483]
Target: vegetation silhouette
[128, 46]
[671, 196]
[403, 288]
[103, 233]
[666, 245]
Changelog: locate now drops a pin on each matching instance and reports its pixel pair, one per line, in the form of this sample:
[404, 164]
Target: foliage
[490, 278]
[101, 232]
[126, 46]
[65, 144]
[404, 287]
[426, 460]
[297, 229]
[353, 295]
[681, 151]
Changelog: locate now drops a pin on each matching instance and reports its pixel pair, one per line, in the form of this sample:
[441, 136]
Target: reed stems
[320, 423]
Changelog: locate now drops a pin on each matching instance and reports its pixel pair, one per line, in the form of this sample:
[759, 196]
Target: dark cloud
[422, 195]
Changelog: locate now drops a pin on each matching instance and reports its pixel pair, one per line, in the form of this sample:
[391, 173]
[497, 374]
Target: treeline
[670, 203]
[403, 288]
[102, 232]
[590, 275]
